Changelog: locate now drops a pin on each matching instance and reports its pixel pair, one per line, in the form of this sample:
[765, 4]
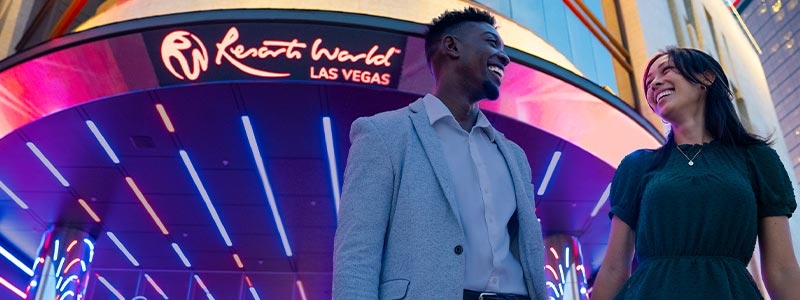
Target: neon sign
[313, 52]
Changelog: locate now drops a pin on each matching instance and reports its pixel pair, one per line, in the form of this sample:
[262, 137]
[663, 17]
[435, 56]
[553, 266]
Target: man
[436, 203]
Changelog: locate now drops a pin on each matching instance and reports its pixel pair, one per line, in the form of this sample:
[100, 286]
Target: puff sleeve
[770, 182]
[626, 188]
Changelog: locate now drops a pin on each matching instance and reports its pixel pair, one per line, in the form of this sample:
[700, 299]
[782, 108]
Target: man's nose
[504, 59]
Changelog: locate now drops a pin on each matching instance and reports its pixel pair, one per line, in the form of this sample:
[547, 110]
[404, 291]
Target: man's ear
[450, 46]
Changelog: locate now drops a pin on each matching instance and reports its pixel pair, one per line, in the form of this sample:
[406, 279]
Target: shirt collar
[437, 111]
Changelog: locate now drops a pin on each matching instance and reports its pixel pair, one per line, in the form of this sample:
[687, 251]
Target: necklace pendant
[691, 163]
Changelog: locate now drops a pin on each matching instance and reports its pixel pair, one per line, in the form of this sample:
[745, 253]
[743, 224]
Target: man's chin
[491, 90]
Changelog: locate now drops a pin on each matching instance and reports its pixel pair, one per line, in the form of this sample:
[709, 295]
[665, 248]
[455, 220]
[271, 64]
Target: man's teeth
[497, 71]
[664, 94]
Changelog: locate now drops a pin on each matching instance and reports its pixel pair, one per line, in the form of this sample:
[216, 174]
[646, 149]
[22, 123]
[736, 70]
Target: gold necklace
[691, 160]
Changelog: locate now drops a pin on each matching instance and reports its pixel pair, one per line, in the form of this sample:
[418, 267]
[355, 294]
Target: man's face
[482, 61]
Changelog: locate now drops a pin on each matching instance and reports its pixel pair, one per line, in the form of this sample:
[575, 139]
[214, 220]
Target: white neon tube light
[204, 194]
[46, 162]
[251, 138]
[103, 142]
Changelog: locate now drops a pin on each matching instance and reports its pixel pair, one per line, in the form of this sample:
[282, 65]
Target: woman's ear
[708, 78]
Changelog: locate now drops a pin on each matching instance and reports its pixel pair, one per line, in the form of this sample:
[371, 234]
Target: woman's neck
[692, 132]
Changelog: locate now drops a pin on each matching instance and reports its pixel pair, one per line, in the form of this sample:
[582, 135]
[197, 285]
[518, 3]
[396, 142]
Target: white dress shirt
[486, 200]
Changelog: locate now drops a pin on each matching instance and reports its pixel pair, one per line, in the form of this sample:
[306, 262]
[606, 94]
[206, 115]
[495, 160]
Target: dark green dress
[696, 226]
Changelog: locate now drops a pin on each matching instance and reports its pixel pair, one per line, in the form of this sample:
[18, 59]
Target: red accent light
[146, 205]
[302, 290]
[249, 283]
[238, 261]
[89, 210]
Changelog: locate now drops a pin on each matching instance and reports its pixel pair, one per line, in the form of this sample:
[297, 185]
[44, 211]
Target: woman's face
[669, 93]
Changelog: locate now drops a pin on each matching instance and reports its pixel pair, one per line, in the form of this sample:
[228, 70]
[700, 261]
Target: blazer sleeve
[363, 214]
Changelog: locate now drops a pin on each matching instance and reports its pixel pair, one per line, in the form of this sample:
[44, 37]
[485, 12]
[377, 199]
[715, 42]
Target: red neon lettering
[370, 58]
[239, 52]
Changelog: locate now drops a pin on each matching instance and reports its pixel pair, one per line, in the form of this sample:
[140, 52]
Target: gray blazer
[399, 234]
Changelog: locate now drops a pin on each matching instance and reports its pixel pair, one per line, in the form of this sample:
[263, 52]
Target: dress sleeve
[771, 184]
[625, 194]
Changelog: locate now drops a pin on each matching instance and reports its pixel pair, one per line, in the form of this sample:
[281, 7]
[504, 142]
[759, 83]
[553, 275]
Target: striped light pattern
[14, 260]
[102, 140]
[549, 173]
[122, 248]
[206, 199]
[146, 205]
[238, 261]
[251, 138]
[109, 287]
[181, 255]
[46, 162]
[155, 286]
[203, 286]
[602, 200]
[12, 288]
[13, 196]
[326, 124]
[165, 118]
[301, 289]
[89, 210]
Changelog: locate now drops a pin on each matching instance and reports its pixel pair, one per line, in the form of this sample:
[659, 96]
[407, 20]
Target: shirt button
[458, 250]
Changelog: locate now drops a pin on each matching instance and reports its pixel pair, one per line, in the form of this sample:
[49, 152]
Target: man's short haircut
[449, 20]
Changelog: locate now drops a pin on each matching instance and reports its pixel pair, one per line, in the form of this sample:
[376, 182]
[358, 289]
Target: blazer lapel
[524, 201]
[433, 150]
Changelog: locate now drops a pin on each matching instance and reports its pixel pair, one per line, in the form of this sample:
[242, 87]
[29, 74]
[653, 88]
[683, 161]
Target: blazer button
[458, 250]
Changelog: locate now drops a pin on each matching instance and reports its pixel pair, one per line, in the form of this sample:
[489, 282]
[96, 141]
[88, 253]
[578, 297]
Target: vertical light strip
[13, 196]
[254, 293]
[302, 290]
[47, 164]
[165, 118]
[251, 138]
[122, 248]
[89, 210]
[103, 142]
[155, 286]
[326, 124]
[146, 205]
[206, 198]
[14, 260]
[12, 288]
[109, 287]
[602, 200]
[181, 255]
[238, 261]
[549, 173]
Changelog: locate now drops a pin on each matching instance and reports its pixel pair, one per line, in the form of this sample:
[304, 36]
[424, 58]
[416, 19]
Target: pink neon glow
[165, 118]
[577, 116]
[301, 289]
[12, 288]
[249, 283]
[550, 268]
[238, 261]
[146, 205]
[89, 210]
[553, 250]
[74, 261]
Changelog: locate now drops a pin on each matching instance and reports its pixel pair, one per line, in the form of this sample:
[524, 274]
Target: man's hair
[448, 21]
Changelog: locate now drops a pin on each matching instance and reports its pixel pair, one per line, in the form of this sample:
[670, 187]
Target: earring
[664, 122]
[703, 87]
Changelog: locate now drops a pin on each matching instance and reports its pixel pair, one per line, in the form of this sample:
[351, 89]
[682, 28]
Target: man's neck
[465, 113]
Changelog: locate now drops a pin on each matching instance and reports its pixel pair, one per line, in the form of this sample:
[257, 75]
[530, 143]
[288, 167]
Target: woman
[693, 208]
